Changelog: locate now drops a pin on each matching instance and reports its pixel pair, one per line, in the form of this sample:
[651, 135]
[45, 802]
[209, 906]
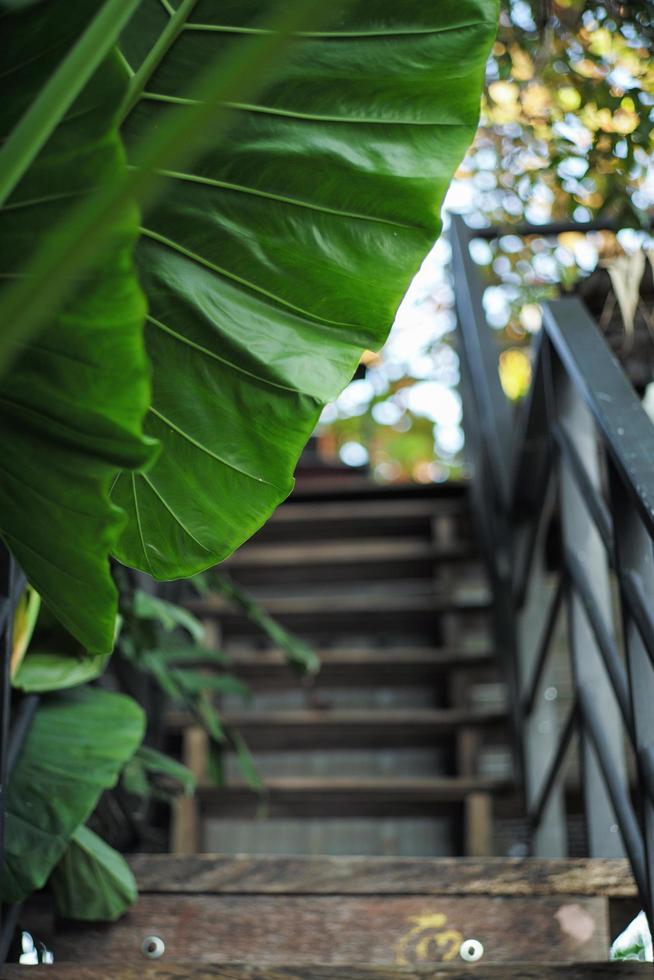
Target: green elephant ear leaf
[71, 406]
[285, 250]
[92, 882]
[76, 747]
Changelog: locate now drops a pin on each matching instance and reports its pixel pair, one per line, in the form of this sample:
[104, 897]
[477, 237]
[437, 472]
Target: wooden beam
[186, 828]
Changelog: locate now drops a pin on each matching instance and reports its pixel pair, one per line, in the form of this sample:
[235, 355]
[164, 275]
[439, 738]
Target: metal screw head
[153, 947]
[471, 950]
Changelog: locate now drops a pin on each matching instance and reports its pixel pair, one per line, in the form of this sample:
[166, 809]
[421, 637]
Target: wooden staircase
[383, 753]
[374, 853]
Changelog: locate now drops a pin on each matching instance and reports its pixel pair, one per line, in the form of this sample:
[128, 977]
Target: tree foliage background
[566, 135]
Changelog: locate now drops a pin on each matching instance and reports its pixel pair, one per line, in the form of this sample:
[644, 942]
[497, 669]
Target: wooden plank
[330, 797]
[478, 824]
[411, 613]
[213, 874]
[357, 666]
[181, 969]
[358, 486]
[361, 518]
[355, 511]
[185, 825]
[395, 597]
[345, 552]
[344, 560]
[343, 728]
[345, 930]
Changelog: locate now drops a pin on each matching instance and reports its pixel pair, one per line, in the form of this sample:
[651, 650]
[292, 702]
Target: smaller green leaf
[77, 745]
[158, 763]
[167, 614]
[45, 670]
[134, 780]
[194, 682]
[164, 678]
[210, 718]
[92, 882]
[246, 763]
[190, 654]
[298, 653]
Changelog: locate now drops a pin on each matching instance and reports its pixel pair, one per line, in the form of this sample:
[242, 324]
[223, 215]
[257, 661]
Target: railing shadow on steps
[563, 494]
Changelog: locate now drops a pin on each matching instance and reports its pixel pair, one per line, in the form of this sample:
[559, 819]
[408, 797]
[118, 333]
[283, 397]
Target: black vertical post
[6, 621]
[634, 554]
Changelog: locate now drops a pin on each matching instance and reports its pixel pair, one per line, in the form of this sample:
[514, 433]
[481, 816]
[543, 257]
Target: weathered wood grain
[447, 971]
[344, 930]
[245, 875]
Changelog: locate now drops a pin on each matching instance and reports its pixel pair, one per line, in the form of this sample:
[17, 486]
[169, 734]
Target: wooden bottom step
[343, 917]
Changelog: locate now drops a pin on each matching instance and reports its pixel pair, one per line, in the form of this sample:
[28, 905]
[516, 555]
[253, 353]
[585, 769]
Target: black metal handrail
[573, 516]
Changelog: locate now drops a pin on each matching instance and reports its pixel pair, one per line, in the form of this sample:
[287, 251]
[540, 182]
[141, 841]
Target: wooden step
[358, 666]
[308, 797]
[347, 914]
[360, 518]
[362, 487]
[237, 971]
[327, 613]
[343, 728]
[357, 559]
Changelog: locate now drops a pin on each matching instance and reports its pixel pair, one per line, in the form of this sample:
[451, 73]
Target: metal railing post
[581, 538]
[549, 838]
[634, 553]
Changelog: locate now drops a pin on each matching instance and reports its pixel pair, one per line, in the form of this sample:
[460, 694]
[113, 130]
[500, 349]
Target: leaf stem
[160, 48]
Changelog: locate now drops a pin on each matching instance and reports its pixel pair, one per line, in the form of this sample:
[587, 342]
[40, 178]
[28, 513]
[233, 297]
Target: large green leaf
[77, 745]
[72, 405]
[286, 249]
[92, 882]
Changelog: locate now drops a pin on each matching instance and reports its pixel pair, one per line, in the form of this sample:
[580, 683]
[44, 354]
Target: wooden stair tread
[352, 550]
[333, 604]
[352, 917]
[324, 875]
[337, 798]
[315, 728]
[360, 516]
[357, 666]
[362, 486]
[437, 787]
[239, 971]
[353, 510]
[447, 718]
